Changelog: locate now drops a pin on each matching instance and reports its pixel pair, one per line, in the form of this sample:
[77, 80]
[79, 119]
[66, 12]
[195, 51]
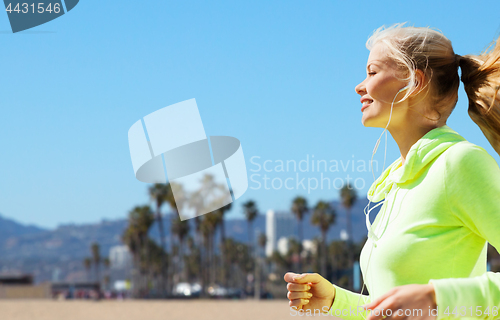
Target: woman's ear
[420, 79]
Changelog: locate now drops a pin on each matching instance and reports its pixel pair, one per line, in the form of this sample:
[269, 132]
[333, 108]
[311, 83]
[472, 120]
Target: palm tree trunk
[213, 256]
[323, 255]
[202, 266]
[147, 258]
[210, 267]
[162, 242]
[207, 261]
[249, 224]
[250, 242]
[174, 268]
[301, 236]
[136, 272]
[223, 254]
[169, 278]
[205, 266]
[349, 247]
[98, 280]
[257, 279]
[183, 256]
[135, 277]
[201, 245]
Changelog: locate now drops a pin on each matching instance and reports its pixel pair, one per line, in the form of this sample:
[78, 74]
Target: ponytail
[481, 79]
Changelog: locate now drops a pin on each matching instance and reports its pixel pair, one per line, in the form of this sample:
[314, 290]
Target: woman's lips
[365, 102]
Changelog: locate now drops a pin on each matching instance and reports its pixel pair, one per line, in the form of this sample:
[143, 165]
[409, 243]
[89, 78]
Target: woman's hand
[417, 300]
[309, 291]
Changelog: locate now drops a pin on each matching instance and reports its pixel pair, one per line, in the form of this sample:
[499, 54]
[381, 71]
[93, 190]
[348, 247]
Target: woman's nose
[360, 88]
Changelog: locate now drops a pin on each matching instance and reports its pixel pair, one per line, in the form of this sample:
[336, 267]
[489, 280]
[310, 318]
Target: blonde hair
[430, 51]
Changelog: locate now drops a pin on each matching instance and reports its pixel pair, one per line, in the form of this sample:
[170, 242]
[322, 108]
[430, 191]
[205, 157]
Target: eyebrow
[368, 66]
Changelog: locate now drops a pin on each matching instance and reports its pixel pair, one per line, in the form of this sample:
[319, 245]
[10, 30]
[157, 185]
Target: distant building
[309, 245]
[26, 279]
[283, 246]
[278, 225]
[344, 236]
[21, 287]
[120, 257]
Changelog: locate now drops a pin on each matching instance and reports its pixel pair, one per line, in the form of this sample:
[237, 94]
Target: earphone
[371, 233]
[385, 129]
[406, 87]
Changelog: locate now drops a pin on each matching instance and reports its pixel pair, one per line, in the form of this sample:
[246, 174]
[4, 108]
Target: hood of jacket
[423, 152]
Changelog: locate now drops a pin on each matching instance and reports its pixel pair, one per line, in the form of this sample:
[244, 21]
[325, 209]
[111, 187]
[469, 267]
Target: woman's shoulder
[465, 155]
[465, 149]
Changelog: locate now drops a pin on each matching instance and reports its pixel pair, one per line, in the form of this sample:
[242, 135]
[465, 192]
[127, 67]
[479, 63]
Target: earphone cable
[367, 214]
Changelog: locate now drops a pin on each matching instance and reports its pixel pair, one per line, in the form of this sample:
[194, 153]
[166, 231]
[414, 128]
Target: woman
[425, 257]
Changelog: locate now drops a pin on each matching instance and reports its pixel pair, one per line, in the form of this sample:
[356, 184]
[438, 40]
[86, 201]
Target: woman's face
[379, 88]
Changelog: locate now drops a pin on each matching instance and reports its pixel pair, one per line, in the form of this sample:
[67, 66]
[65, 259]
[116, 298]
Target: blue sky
[277, 75]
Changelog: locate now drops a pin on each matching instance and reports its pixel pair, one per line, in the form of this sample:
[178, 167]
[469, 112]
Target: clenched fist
[309, 291]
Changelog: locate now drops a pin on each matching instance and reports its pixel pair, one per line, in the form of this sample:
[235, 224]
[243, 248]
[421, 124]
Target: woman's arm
[472, 183]
[345, 304]
[325, 297]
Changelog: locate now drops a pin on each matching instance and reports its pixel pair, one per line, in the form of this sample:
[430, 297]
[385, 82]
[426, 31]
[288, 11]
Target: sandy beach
[146, 310]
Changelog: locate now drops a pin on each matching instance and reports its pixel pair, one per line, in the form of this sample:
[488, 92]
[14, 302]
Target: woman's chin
[372, 122]
[366, 122]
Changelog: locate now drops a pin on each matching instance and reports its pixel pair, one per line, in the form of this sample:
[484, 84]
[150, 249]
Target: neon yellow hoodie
[440, 209]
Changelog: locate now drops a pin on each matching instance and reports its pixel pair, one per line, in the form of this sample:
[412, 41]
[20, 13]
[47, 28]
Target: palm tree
[106, 263]
[193, 265]
[206, 226]
[196, 202]
[338, 252]
[180, 228]
[211, 221]
[258, 280]
[250, 210]
[131, 239]
[200, 245]
[154, 262]
[283, 262]
[323, 216]
[206, 197]
[240, 261]
[293, 248]
[171, 200]
[262, 240]
[141, 219]
[221, 212]
[348, 197]
[159, 193]
[299, 209]
[106, 281]
[87, 263]
[96, 259]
